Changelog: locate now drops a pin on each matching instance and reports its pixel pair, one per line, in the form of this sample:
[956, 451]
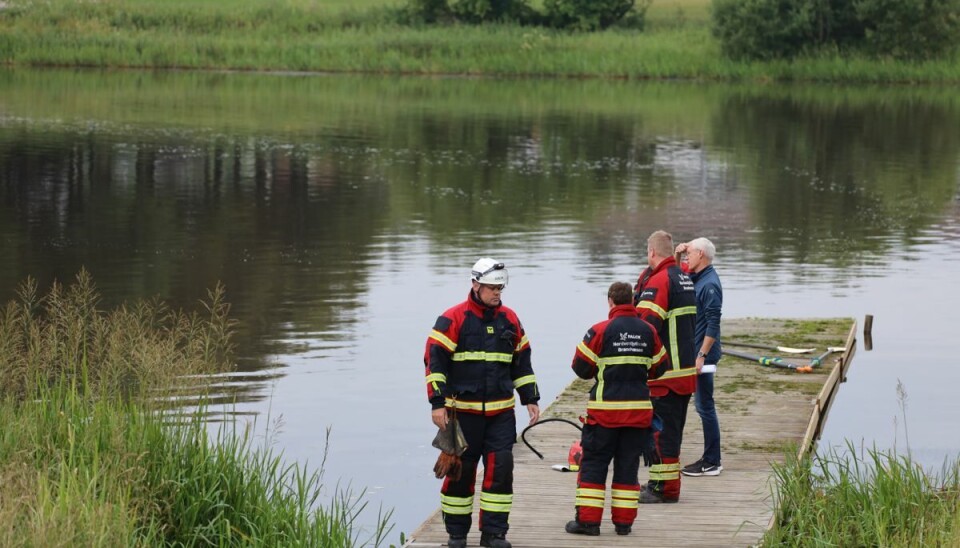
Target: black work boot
[456, 541]
[622, 529]
[494, 540]
[649, 496]
[574, 527]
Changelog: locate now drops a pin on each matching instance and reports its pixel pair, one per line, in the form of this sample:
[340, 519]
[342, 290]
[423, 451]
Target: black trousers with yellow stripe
[490, 438]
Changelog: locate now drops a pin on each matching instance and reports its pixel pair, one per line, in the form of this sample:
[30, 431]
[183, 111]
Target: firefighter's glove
[448, 465]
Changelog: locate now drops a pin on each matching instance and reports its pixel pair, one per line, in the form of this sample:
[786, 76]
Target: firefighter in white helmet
[476, 356]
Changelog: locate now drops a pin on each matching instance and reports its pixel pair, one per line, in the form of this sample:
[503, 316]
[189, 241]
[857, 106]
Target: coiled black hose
[554, 419]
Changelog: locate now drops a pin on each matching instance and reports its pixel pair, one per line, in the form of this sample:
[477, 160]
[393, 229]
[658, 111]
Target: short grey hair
[705, 246]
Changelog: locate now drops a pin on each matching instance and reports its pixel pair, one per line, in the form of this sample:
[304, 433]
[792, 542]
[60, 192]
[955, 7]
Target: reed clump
[76, 472]
[873, 499]
[89, 458]
[130, 351]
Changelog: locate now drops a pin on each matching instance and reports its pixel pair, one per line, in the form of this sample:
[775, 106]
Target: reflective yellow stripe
[442, 339]
[587, 492]
[620, 405]
[621, 498]
[587, 352]
[517, 383]
[594, 503]
[626, 360]
[665, 472]
[524, 342]
[483, 357]
[495, 502]
[436, 377]
[663, 352]
[664, 476]
[674, 347]
[479, 405]
[600, 382]
[683, 311]
[589, 497]
[650, 305]
[456, 505]
[678, 373]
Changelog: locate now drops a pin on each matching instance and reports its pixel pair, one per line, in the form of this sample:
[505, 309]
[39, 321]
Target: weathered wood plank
[763, 412]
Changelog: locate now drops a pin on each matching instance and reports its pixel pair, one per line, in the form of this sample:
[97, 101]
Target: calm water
[343, 214]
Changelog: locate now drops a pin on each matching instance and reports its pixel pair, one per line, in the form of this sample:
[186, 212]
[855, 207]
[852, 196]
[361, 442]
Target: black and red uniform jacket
[618, 353]
[665, 297]
[476, 356]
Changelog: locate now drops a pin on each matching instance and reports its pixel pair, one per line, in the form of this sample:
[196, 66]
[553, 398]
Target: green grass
[79, 472]
[300, 35]
[871, 499]
[90, 457]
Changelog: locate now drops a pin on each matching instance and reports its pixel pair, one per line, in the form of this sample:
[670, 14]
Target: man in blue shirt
[700, 253]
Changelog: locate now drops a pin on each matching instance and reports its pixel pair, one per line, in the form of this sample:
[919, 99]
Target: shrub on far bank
[583, 15]
[778, 29]
[910, 29]
[588, 15]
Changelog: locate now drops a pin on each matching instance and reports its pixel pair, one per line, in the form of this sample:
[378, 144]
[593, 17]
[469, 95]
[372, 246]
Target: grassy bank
[91, 456]
[304, 35]
[869, 499]
[105, 473]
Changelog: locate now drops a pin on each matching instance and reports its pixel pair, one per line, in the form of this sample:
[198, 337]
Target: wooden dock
[764, 412]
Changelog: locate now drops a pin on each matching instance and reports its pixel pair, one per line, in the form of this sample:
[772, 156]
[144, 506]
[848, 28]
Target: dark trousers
[601, 445]
[665, 472]
[492, 438]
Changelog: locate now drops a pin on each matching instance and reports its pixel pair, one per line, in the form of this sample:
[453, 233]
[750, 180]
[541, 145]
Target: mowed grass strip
[364, 36]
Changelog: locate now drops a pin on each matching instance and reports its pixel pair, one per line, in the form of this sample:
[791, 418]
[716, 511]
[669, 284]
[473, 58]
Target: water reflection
[343, 212]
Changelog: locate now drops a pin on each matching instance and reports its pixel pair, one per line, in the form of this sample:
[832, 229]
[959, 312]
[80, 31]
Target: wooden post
[868, 332]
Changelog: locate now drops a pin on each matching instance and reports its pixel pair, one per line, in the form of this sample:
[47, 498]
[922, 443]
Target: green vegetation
[89, 458]
[877, 499]
[902, 29]
[367, 36]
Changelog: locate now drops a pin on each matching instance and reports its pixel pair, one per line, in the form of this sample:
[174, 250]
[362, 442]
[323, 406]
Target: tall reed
[76, 472]
[130, 350]
[872, 499]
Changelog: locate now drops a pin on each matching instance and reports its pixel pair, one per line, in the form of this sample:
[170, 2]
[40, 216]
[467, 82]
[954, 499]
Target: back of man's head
[620, 293]
[661, 243]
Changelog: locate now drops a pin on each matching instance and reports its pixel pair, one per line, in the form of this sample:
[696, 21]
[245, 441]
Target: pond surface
[343, 214]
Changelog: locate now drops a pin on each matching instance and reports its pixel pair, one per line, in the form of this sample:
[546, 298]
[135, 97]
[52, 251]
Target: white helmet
[488, 271]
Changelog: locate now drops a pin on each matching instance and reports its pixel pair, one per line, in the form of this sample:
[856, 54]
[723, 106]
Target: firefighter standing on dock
[617, 353]
[476, 356]
[666, 298]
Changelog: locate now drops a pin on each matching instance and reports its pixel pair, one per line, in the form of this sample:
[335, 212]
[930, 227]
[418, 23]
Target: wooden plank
[761, 412]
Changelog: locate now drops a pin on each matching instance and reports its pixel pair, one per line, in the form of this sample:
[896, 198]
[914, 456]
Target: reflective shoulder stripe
[620, 405]
[682, 311]
[524, 343]
[443, 339]
[625, 360]
[587, 352]
[654, 307]
[517, 383]
[482, 357]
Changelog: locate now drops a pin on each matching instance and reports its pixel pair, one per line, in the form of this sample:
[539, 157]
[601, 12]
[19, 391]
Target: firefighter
[476, 356]
[617, 353]
[665, 297]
